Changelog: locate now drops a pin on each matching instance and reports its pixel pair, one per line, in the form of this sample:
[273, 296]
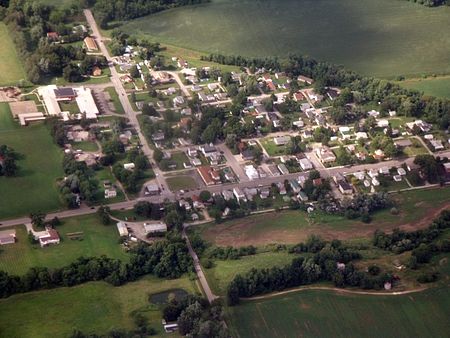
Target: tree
[38, 219]
[158, 155]
[134, 72]
[174, 220]
[103, 214]
[189, 318]
[205, 196]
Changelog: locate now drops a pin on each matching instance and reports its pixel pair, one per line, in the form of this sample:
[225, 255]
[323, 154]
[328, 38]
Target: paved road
[129, 111]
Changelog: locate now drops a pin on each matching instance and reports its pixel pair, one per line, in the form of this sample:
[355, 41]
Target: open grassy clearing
[115, 100]
[95, 307]
[330, 314]
[181, 182]
[96, 240]
[416, 210]
[11, 69]
[366, 36]
[35, 187]
[85, 146]
[224, 271]
[439, 86]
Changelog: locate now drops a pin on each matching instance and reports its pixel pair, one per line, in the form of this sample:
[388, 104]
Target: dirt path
[337, 290]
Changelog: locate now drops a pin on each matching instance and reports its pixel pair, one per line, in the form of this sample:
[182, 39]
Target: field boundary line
[336, 290]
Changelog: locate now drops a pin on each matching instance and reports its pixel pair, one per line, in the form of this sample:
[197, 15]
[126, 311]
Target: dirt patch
[244, 232]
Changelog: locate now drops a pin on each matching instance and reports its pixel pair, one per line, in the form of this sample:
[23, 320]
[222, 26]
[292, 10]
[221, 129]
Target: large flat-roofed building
[64, 94]
[90, 44]
[51, 104]
[86, 103]
[156, 227]
[122, 228]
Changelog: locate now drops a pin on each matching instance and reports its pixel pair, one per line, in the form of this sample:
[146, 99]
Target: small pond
[163, 297]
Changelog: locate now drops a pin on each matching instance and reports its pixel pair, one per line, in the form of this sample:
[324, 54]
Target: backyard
[94, 239]
[370, 38]
[95, 307]
[35, 187]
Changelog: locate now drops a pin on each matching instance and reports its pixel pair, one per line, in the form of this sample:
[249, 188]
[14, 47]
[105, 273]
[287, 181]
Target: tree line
[168, 258]
[330, 261]
[8, 158]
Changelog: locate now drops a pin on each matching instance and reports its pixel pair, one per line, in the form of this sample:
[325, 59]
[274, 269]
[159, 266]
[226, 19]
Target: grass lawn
[177, 159]
[95, 307]
[223, 272]
[97, 240]
[439, 86]
[11, 69]
[85, 146]
[272, 149]
[416, 210]
[371, 38]
[181, 183]
[105, 174]
[35, 188]
[115, 100]
[329, 314]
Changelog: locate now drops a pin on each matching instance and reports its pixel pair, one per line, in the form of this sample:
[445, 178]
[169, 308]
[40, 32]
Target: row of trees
[165, 259]
[8, 158]
[432, 3]
[331, 263]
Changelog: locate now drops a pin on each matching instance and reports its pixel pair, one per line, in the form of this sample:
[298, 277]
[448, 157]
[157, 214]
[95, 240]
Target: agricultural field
[95, 239]
[94, 308]
[336, 314]
[35, 187]
[365, 36]
[416, 210]
[439, 86]
[11, 69]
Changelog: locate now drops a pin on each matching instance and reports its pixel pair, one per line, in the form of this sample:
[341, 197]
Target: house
[378, 154]
[281, 140]
[247, 155]
[52, 36]
[251, 172]
[182, 63]
[397, 178]
[333, 93]
[155, 227]
[186, 111]
[302, 196]
[344, 187]
[283, 169]
[299, 123]
[301, 180]
[129, 166]
[196, 162]
[403, 143]
[96, 71]
[373, 113]
[384, 171]
[239, 194]
[281, 188]
[325, 155]
[158, 136]
[317, 182]
[250, 193]
[305, 79]
[299, 96]
[382, 123]
[90, 44]
[437, 145]
[110, 193]
[208, 149]
[305, 164]
[227, 195]
[178, 101]
[50, 236]
[264, 193]
[7, 237]
[273, 170]
[361, 135]
[295, 186]
[151, 190]
[122, 228]
[206, 173]
[401, 171]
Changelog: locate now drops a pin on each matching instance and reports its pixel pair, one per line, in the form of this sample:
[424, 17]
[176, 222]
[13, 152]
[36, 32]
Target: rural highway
[129, 111]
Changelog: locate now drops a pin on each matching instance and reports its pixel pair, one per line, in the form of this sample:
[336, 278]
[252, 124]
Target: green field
[35, 187]
[11, 69]
[95, 307]
[329, 314]
[224, 271]
[96, 240]
[115, 100]
[439, 86]
[382, 38]
[181, 183]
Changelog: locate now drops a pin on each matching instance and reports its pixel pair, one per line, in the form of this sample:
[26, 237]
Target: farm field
[224, 271]
[11, 69]
[371, 38]
[35, 187]
[332, 314]
[416, 209]
[95, 307]
[439, 86]
[96, 240]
